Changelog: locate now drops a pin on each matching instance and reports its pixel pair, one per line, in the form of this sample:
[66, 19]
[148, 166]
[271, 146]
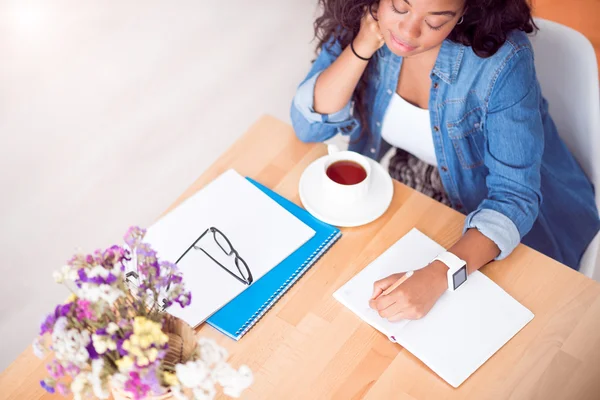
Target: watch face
[459, 277]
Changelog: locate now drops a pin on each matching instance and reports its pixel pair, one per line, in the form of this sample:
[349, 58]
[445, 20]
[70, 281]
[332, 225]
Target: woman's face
[412, 27]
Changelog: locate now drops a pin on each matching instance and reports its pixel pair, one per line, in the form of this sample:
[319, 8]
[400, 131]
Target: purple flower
[110, 279]
[62, 310]
[114, 255]
[150, 378]
[184, 299]
[101, 331]
[48, 324]
[82, 276]
[120, 342]
[47, 387]
[92, 351]
[136, 387]
[133, 236]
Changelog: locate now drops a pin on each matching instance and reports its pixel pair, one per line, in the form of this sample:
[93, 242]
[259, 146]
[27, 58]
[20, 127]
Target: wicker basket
[182, 344]
[119, 394]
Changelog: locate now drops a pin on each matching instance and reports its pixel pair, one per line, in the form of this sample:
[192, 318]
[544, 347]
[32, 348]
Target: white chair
[567, 70]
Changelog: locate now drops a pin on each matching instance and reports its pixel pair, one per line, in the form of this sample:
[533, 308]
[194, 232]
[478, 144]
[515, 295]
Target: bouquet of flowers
[111, 336]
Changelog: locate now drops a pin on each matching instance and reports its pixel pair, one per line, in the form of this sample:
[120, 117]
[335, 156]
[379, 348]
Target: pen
[397, 283]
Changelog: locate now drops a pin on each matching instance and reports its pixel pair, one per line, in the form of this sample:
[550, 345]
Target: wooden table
[311, 347]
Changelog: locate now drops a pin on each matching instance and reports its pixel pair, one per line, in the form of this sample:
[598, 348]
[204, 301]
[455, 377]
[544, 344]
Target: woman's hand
[412, 299]
[369, 38]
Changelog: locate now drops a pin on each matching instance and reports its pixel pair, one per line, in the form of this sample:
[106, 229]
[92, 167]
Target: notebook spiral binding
[314, 257]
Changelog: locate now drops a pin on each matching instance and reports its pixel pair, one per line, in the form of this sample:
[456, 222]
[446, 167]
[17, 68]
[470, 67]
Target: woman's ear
[373, 7]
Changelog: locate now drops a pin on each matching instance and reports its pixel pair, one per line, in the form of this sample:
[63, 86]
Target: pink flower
[72, 369]
[136, 387]
[55, 370]
[62, 389]
[83, 310]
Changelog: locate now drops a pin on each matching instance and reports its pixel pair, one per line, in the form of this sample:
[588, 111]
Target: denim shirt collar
[448, 60]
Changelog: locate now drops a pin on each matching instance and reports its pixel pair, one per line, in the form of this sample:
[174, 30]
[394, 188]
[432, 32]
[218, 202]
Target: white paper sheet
[262, 232]
[460, 333]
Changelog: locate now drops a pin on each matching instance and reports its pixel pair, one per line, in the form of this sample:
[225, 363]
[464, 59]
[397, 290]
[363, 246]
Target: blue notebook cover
[241, 313]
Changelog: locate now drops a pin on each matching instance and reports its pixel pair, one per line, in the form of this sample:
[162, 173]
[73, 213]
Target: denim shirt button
[389, 91]
[435, 128]
[435, 85]
[444, 168]
[378, 123]
[373, 150]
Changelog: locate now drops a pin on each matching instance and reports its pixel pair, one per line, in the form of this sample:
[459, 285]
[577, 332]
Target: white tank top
[408, 127]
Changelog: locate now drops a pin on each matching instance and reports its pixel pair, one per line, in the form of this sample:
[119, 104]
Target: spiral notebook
[229, 216]
[240, 314]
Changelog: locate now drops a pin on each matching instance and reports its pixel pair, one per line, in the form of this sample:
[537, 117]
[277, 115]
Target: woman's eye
[435, 28]
[396, 10]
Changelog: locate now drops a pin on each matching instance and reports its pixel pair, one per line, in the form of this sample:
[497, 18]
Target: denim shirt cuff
[304, 101]
[496, 227]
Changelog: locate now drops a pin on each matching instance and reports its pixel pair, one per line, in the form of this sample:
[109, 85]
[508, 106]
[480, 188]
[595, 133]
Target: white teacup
[345, 193]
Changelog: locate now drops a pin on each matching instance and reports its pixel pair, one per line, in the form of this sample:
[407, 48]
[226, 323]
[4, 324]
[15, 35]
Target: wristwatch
[457, 269]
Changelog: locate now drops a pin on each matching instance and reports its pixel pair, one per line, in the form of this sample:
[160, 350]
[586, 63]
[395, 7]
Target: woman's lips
[402, 45]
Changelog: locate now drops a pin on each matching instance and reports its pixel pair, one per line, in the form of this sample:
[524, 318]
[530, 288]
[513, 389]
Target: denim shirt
[499, 155]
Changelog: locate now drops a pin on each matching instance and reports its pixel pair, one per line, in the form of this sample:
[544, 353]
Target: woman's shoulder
[514, 58]
[516, 42]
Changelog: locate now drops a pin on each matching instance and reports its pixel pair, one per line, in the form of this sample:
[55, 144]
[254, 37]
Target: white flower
[79, 382]
[204, 393]
[99, 387]
[103, 343]
[110, 294]
[234, 382]
[112, 328]
[178, 393]
[193, 374]
[89, 292]
[210, 352]
[81, 386]
[116, 270]
[98, 270]
[59, 327]
[58, 277]
[93, 293]
[66, 273]
[38, 348]
[71, 345]
[118, 380]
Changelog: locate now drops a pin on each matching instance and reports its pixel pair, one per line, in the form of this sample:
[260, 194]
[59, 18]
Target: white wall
[109, 109]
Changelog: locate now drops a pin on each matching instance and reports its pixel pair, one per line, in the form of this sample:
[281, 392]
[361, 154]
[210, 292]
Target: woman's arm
[514, 148]
[321, 106]
[335, 85]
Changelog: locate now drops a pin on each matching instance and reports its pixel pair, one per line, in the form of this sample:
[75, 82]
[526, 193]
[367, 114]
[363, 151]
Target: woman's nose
[410, 28]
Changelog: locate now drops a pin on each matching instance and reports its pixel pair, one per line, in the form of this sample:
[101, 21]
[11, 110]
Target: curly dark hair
[485, 28]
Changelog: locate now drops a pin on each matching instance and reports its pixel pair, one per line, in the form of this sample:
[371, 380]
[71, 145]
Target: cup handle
[332, 149]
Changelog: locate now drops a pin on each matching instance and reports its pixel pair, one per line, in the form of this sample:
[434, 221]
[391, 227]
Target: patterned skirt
[419, 175]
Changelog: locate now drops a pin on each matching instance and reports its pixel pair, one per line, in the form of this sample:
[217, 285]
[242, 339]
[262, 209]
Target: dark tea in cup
[346, 172]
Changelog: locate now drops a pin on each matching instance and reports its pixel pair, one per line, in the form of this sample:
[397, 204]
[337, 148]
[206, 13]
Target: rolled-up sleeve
[309, 125]
[513, 154]
[304, 102]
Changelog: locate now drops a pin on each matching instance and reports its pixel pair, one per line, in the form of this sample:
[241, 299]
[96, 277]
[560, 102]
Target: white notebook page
[462, 331]
[259, 229]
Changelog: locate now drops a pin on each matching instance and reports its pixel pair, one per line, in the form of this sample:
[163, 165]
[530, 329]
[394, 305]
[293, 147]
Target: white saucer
[359, 213]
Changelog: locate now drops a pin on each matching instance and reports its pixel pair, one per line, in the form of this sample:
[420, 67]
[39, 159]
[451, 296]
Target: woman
[452, 85]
